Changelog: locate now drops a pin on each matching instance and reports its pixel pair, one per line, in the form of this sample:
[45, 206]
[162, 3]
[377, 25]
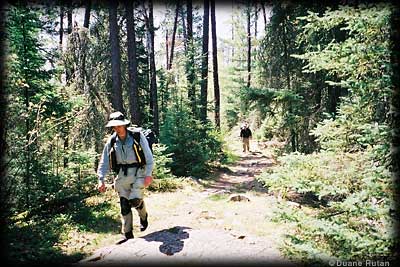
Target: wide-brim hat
[117, 119]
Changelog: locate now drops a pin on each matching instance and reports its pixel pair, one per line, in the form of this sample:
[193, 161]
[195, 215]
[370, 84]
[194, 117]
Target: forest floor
[226, 218]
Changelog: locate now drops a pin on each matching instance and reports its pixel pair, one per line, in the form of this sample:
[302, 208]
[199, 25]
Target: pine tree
[204, 62]
[116, 92]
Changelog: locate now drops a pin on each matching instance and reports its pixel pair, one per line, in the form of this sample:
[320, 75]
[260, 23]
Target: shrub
[192, 144]
[356, 223]
[164, 180]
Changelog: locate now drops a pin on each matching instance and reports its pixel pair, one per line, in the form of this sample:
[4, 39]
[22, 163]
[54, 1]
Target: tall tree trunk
[184, 29]
[87, 14]
[318, 93]
[69, 69]
[153, 81]
[293, 134]
[264, 14]
[69, 72]
[97, 134]
[61, 26]
[116, 94]
[204, 62]
[248, 45]
[148, 48]
[215, 67]
[86, 23]
[171, 58]
[232, 31]
[69, 16]
[61, 32]
[190, 54]
[27, 178]
[166, 49]
[132, 63]
[286, 54]
[255, 18]
[333, 99]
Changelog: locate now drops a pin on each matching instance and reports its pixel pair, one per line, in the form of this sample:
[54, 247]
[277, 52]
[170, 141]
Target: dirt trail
[240, 177]
[206, 223]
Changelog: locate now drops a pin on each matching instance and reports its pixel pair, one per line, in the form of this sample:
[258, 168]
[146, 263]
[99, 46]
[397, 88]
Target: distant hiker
[129, 155]
[245, 134]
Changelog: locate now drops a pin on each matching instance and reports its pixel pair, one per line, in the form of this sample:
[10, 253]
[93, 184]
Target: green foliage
[55, 130]
[231, 112]
[352, 130]
[219, 197]
[35, 241]
[237, 106]
[360, 59]
[281, 92]
[193, 145]
[354, 219]
[66, 236]
[161, 160]
[50, 159]
[228, 156]
[35, 111]
[164, 180]
[350, 176]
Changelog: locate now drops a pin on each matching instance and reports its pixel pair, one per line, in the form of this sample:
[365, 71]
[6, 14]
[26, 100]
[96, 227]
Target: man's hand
[101, 187]
[147, 181]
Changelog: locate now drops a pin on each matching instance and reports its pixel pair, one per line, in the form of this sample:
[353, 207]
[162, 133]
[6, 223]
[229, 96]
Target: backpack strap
[136, 136]
[138, 148]
[113, 139]
[112, 157]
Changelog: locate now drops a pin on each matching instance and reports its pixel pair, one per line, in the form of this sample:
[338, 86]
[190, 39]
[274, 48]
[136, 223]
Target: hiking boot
[143, 224]
[126, 237]
[129, 235]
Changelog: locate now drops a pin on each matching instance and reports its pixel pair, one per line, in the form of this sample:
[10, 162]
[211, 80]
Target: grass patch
[66, 237]
[229, 157]
[218, 197]
[165, 185]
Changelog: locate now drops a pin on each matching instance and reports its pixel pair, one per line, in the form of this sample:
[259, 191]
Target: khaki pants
[246, 144]
[131, 186]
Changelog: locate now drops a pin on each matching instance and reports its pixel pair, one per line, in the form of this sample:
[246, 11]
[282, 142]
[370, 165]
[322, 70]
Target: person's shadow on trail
[172, 239]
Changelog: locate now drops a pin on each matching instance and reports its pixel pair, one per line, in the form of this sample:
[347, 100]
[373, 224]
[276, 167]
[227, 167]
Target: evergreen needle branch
[62, 121]
[325, 216]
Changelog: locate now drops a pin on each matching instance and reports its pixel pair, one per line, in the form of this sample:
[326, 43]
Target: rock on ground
[186, 245]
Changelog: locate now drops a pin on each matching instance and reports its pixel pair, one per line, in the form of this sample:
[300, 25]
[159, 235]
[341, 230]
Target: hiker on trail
[131, 177]
[245, 134]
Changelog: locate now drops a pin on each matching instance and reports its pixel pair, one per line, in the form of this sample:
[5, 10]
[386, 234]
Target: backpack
[151, 139]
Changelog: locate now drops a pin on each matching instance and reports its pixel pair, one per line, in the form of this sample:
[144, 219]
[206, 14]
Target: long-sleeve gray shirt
[125, 154]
